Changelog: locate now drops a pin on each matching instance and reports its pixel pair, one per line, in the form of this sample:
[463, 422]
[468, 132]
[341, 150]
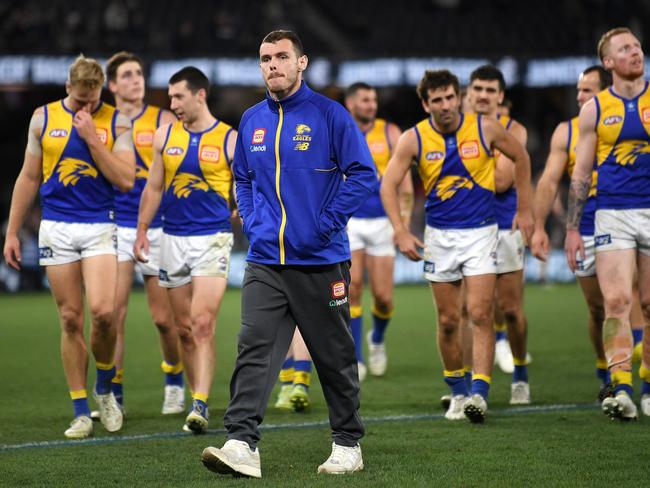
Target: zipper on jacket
[283, 222]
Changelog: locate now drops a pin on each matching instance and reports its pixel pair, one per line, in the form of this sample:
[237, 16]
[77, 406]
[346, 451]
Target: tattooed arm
[581, 181]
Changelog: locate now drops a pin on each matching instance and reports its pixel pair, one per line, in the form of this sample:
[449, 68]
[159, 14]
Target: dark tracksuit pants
[274, 300]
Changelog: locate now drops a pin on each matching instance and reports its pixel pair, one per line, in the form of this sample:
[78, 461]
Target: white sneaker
[645, 404]
[377, 359]
[174, 400]
[503, 356]
[80, 428]
[475, 409]
[235, 458]
[363, 371]
[196, 423]
[110, 412]
[455, 410]
[445, 401]
[620, 407]
[343, 460]
[520, 393]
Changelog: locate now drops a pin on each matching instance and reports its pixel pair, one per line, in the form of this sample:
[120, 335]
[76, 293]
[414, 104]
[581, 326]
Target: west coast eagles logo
[302, 137]
[141, 173]
[627, 152]
[186, 183]
[70, 170]
[447, 186]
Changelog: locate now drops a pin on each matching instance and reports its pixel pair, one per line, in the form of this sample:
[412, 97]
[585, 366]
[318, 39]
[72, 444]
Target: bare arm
[504, 174]
[25, 189]
[405, 152]
[118, 165]
[167, 117]
[405, 188]
[151, 195]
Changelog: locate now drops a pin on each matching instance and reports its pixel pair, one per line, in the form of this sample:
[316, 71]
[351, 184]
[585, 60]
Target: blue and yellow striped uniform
[587, 224]
[127, 204]
[197, 180]
[380, 149]
[457, 171]
[73, 189]
[623, 150]
[505, 206]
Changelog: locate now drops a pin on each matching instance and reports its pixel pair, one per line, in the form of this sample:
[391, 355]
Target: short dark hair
[432, 80]
[489, 73]
[277, 35]
[194, 77]
[117, 60]
[355, 87]
[604, 76]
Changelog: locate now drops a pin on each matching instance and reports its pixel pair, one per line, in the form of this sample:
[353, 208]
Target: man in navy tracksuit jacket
[302, 168]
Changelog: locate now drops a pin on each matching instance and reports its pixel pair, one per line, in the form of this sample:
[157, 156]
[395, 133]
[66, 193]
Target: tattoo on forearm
[578, 194]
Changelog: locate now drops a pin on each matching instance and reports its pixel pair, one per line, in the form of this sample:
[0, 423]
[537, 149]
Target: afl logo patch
[58, 133]
[338, 289]
[144, 138]
[469, 150]
[645, 115]
[174, 151]
[612, 120]
[258, 136]
[209, 154]
[434, 155]
[102, 134]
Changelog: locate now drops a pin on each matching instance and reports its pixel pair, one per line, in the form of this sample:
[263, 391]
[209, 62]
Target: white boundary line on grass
[569, 407]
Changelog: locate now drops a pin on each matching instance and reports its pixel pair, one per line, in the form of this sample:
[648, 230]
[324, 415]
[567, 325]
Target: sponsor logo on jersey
[58, 133]
[338, 289]
[258, 148]
[144, 138]
[434, 155]
[209, 154]
[469, 150]
[338, 303]
[302, 137]
[603, 240]
[612, 120]
[162, 275]
[258, 136]
[45, 252]
[102, 134]
[645, 115]
[429, 267]
[174, 151]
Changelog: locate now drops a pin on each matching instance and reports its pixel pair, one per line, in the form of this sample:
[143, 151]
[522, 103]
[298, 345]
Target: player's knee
[184, 331]
[618, 304]
[511, 312]
[162, 320]
[72, 322]
[448, 324]
[203, 326]
[384, 303]
[355, 292]
[480, 316]
[645, 307]
[102, 316]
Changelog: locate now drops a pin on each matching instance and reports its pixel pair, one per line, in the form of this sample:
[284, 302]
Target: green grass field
[563, 440]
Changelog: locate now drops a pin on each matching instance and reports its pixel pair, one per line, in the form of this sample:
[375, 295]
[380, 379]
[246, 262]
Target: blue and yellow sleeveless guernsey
[505, 203]
[126, 204]
[380, 149]
[73, 189]
[457, 171]
[623, 150]
[197, 180]
[587, 225]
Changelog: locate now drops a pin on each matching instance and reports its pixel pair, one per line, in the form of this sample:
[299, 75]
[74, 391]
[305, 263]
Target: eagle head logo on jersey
[627, 152]
[141, 173]
[185, 183]
[70, 170]
[447, 186]
[302, 129]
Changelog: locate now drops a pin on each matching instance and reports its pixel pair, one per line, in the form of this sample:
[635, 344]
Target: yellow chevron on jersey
[379, 145]
[57, 129]
[572, 141]
[144, 128]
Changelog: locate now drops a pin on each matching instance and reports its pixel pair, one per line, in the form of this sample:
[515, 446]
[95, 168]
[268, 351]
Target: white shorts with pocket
[374, 235]
[450, 254]
[67, 242]
[510, 251]
[182, 257]
[125, 241]
[623, 229]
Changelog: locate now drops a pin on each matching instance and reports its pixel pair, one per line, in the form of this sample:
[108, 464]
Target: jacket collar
[291, 102]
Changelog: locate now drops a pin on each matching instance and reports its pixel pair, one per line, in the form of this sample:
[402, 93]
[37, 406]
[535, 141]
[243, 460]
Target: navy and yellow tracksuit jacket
[302, 168]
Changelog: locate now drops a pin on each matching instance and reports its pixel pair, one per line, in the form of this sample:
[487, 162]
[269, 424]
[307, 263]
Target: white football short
[586, 267]
[182, 257]
[375, 236]
[510, 251]
[623, 229]
[67, 242]
[450, 254]
[125, 241]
